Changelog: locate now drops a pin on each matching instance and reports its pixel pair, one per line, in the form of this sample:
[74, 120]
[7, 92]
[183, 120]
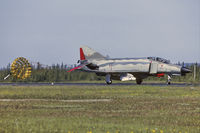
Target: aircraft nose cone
[185, 70]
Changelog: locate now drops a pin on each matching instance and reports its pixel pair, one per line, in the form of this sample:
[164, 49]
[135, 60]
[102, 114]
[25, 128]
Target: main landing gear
[108, 79]
[138, 81]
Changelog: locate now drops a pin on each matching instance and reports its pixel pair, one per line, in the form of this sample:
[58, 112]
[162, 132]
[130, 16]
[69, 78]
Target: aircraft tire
[138, 81]
[109, 83]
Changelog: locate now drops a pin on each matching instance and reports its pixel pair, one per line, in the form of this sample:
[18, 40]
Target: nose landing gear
[169, 77]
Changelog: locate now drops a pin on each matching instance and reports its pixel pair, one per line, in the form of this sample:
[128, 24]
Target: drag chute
[20, 68]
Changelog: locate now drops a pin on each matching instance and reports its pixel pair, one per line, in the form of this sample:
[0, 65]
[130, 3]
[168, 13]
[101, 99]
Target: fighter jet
[126, 69]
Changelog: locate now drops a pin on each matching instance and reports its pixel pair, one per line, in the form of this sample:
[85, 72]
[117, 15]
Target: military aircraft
[126, 69]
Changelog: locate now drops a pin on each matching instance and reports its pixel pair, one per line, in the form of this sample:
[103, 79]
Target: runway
[95, 84]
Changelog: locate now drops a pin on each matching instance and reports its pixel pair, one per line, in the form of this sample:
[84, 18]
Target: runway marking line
[55, 100]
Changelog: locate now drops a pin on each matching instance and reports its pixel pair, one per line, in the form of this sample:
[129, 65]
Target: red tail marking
[160, 75]
[82, 56]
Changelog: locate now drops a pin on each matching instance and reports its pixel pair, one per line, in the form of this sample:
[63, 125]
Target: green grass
[137, 108]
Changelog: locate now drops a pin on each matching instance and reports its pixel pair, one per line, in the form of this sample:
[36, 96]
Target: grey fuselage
[138, 67]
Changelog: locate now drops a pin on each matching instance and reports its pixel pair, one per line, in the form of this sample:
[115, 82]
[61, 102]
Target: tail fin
[87, 53]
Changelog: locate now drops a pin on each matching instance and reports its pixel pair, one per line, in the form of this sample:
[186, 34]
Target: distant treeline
[54, 73]
[58, 73]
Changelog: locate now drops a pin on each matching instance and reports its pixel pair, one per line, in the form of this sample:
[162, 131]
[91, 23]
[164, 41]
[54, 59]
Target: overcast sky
[51, 31]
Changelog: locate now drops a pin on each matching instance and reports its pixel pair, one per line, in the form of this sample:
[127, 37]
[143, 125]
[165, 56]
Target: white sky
[51, 31]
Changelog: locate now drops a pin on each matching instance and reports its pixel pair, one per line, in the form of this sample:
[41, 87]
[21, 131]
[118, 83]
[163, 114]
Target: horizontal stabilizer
[78, 67]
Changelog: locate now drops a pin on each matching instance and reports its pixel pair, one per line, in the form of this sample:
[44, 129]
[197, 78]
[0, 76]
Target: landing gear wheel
[108, 79]
[138, 81]
[109, 83]
[169, 77]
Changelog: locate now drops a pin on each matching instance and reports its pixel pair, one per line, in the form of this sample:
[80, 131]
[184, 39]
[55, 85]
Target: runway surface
[95, 84]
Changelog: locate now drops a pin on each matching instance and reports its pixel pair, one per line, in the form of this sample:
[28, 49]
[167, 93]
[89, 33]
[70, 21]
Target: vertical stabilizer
[89, 54]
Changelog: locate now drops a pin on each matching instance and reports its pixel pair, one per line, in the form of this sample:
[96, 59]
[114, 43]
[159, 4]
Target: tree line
[54, 73]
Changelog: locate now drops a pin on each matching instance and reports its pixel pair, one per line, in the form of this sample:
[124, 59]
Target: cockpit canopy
[159, 59]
